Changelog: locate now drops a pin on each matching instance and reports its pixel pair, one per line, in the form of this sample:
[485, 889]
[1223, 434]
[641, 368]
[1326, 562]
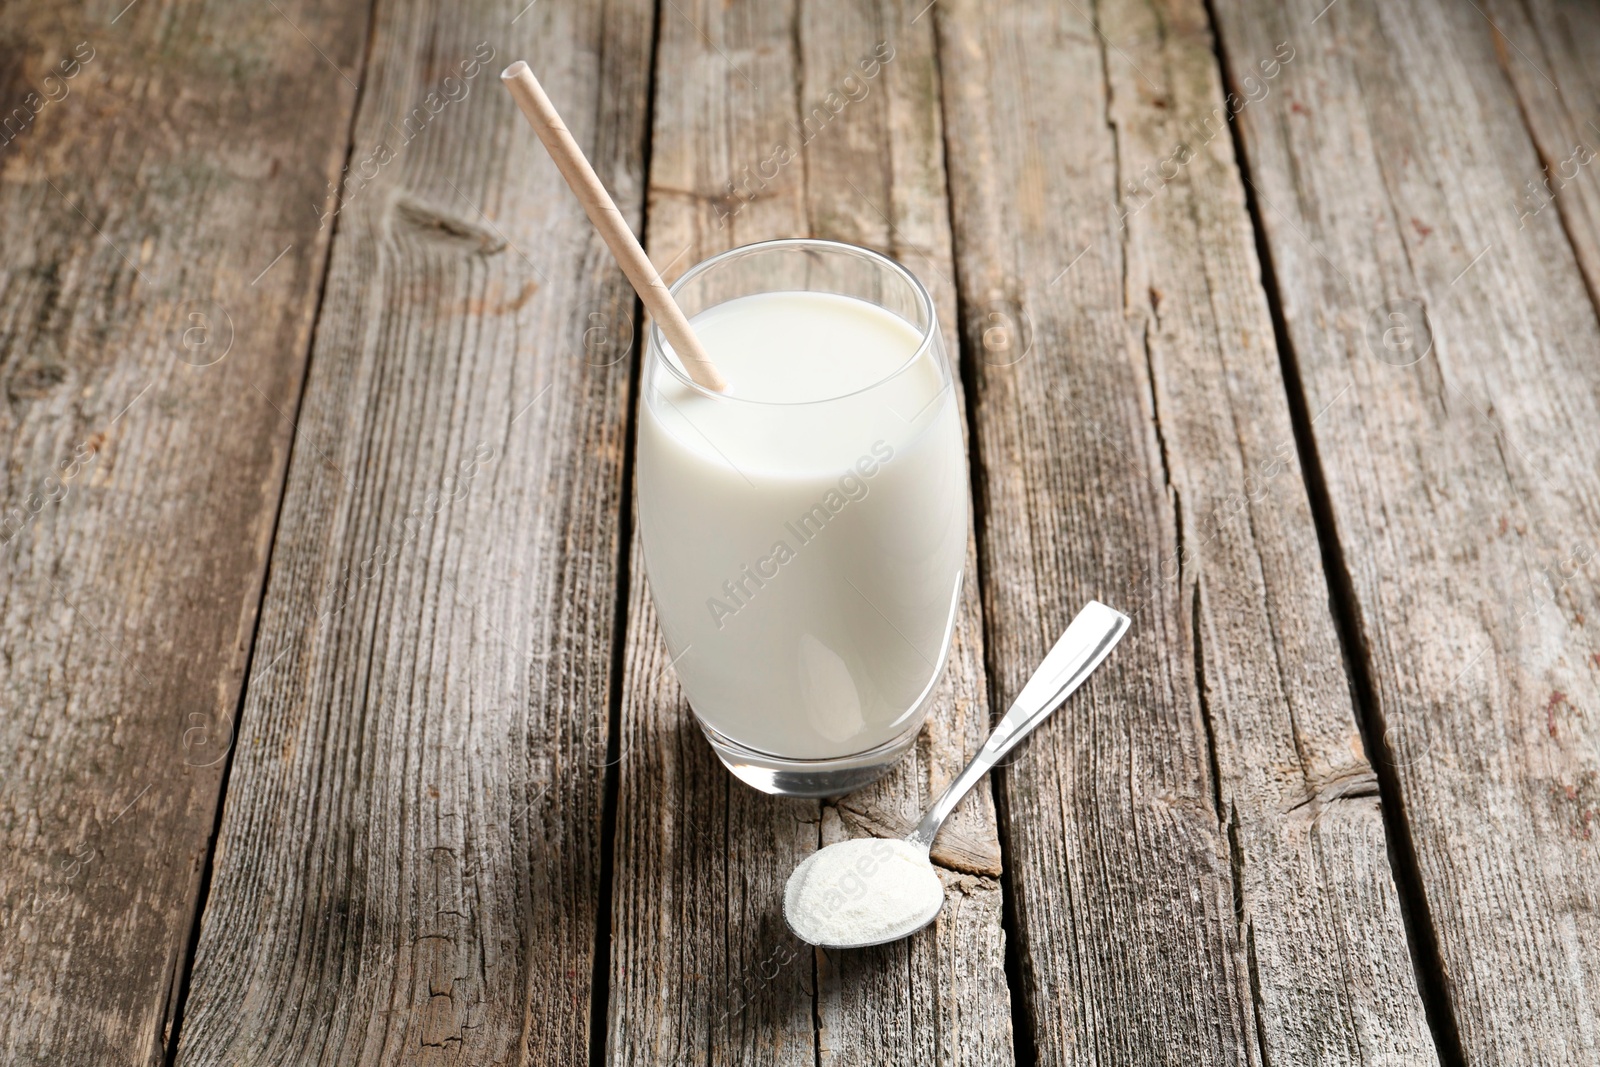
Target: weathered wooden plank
[703, 969]
[1330, 971]
[157, 292]
[1196, 855]
[1449, 335]
[409, 863]
[1550, 51]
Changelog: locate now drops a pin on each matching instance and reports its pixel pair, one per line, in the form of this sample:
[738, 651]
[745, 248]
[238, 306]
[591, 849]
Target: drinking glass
[805, 556]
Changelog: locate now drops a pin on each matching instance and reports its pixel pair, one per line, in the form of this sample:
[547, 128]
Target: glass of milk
[805, 531]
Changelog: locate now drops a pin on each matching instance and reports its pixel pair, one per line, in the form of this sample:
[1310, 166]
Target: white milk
[804, 552]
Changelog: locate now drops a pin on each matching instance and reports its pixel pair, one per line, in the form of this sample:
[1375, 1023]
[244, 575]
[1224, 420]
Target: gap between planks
[1023, 1049]
[600, 980]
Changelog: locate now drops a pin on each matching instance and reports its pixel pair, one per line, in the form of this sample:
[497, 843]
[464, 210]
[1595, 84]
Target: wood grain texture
[703, 968]
[1550, 52]
[1452, 342]
[150, 364]
[1197, 857]
[409, 862]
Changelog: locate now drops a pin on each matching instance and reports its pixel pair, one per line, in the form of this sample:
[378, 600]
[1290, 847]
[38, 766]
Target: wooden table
[336, 725]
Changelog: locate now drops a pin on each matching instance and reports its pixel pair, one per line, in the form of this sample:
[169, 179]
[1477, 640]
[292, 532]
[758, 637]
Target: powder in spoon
[862, 892]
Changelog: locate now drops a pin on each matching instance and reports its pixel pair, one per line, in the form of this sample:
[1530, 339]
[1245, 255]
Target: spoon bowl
[862, 892]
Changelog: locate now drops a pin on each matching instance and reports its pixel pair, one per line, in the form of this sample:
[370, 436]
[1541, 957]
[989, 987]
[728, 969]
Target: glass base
[831, 777]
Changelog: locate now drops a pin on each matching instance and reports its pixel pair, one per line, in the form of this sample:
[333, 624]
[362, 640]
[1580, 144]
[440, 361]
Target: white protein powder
[862, 892]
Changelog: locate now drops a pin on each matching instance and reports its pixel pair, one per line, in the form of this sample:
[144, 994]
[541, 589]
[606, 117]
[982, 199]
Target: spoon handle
[1088, 640]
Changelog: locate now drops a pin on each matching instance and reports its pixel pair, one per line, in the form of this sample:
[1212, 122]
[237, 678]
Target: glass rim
[656, 341]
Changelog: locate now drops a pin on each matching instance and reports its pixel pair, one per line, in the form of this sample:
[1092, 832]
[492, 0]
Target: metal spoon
[889, 880]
